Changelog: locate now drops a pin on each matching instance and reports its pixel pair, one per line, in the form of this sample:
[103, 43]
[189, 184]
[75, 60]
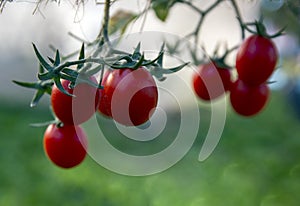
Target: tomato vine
[63, 74]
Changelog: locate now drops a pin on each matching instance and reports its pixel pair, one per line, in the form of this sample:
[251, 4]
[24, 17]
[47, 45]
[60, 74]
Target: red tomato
[129, 96]
[211, 82]
[256, 60]
[78, 109]
[102, 108]
[65, 146]
[248, 100]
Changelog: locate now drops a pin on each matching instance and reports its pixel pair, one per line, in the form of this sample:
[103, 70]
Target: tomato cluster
[66, 143]
[255, 62]
[129, 96]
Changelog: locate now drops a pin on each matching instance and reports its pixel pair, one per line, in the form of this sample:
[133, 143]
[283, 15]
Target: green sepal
[81, 56]
[51, 60]
[41, 69]
[44, 124]
[36, 98]
[41, 59]
[45, 76]
[57, 59]
[175, 69]
[137, 52]
[70, 72]
[160, 57]
[94, 71]
[60, 87]
[86, 80]
[31, 85]
[67, 77]
[130, 64]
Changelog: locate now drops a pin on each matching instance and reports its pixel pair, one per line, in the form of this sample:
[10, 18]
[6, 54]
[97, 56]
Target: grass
[257, 162]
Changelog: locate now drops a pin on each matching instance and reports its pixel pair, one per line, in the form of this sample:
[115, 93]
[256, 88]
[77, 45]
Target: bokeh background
[257, 161]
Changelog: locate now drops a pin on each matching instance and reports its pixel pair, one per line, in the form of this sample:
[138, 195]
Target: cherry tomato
[65, 146]
[75, 110]
[211, 82]
[129, 96]
[102, 108]
[256, 60]
[248, 100]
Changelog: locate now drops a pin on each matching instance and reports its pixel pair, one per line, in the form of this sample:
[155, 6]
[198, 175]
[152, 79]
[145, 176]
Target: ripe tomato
[65, 146]
[248, 100]
[102, 108]
[78, 109]
[129, 96]
[256, 60]
[211, 82]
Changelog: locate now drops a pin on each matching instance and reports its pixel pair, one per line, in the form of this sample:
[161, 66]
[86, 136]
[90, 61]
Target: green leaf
[41, 59]
[120, 21]
[162, 7]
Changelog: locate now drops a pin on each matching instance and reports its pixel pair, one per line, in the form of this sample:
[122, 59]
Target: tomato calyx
[42, 87]
[137, 59]
[220, 60]
[52, 71]
[220, 63]
[261, 29]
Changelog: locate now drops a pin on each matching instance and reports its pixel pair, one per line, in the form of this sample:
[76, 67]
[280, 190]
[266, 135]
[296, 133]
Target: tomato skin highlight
[65, 146]
[129, 96]
[248, 100]
[103, 101]
[211, 82]
[256, 60]
[78, 109]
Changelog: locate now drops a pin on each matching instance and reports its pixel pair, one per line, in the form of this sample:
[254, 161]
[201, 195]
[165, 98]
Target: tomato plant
[127, 91]
[78, 108]
[210, 82]
[256, 60]
[248, 100]
[129, 96]
[65, 146]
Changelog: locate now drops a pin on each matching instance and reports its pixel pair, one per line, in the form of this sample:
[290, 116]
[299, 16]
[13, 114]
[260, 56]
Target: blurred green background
[257, 162]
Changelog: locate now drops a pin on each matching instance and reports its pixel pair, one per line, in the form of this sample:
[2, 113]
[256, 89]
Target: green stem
[106, 22]
[239, 17]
